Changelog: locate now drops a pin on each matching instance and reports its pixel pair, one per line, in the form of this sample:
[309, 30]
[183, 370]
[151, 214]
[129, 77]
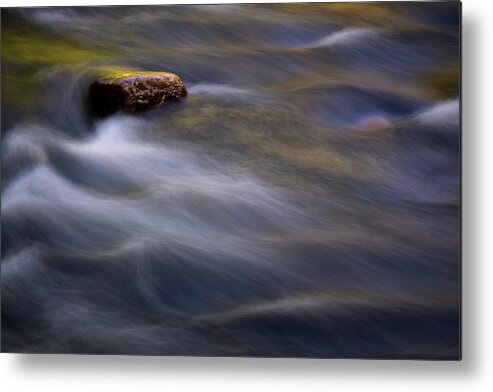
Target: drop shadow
[470, 88]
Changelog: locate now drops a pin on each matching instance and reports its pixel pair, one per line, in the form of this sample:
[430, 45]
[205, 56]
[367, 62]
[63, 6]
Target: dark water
[302, 201]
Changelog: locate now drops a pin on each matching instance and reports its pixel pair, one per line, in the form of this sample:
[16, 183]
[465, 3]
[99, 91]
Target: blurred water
[304, 200]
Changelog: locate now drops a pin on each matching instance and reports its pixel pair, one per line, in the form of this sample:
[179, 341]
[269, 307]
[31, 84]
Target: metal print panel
[268, 180]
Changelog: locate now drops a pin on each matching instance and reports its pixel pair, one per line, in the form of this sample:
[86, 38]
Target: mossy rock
[133, 91]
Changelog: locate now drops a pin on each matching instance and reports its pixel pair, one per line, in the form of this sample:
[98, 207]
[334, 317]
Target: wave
[444, 114]
[157, 188]
[220, 90]
[342, 37]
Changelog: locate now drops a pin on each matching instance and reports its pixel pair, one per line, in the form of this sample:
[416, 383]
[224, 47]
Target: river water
[303, 200]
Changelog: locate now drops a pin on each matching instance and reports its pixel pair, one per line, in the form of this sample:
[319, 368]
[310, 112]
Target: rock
[134, 91]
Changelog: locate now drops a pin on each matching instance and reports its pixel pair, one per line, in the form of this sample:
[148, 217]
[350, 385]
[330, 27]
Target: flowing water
[303, 200]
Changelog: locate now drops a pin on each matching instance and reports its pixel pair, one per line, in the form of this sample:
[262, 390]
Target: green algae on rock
[133, 91]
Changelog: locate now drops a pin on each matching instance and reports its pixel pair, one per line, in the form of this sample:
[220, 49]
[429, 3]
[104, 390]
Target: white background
[474, 373]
